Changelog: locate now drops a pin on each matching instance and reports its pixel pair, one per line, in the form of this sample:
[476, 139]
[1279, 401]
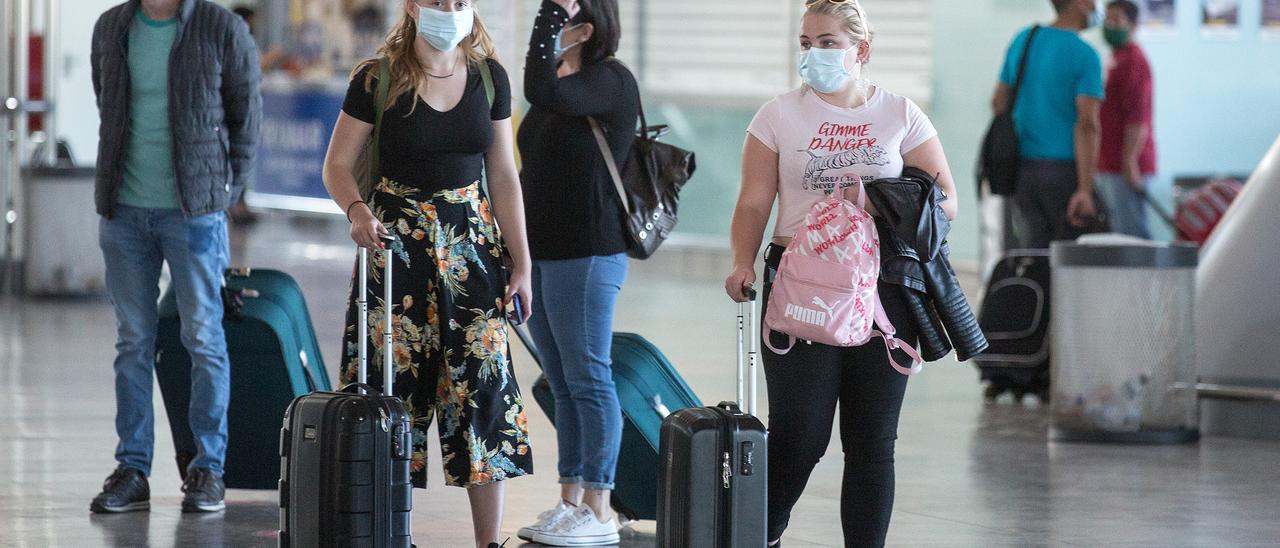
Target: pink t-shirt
[820, 145]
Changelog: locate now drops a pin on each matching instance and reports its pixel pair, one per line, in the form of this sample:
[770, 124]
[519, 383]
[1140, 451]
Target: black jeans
[804, 387]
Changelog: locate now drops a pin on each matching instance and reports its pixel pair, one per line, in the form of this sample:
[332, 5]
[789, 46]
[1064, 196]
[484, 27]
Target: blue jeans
[134, 244]
[1126, 206]
[572, 325]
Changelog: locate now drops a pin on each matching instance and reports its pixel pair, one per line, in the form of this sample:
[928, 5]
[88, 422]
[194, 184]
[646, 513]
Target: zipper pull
[726, 471]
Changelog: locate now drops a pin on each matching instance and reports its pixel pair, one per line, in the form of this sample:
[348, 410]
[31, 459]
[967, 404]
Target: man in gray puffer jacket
[177, 88]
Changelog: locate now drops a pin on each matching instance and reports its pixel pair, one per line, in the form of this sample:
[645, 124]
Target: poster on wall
[1220, 18]
[1159, 14]
[1271, 19]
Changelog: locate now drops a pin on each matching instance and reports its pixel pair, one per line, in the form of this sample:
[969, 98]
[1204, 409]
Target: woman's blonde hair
[850, 11]
[405, 69]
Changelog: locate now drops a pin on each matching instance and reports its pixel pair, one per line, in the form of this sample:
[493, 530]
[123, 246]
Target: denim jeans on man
[1126, 207]
[572, 326]
[135, 241]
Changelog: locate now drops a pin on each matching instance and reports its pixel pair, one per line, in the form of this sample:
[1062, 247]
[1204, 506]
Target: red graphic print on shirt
[834, 149]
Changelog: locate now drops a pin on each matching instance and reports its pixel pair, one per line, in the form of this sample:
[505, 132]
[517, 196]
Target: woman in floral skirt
[440, 131]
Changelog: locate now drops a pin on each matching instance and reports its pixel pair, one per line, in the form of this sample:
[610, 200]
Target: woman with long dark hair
[576, 239]
[441, 129]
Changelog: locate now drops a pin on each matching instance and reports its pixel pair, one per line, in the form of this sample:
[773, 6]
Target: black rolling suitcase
[1015, 319]
[345, 455]
[712, 479]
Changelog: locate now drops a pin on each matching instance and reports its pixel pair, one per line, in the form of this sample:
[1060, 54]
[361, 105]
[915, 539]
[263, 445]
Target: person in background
[239, 212]
[1127, 158]
[579, 250]
[274, 54]
[176, 151]
[788, 137]
[1057, 123]
[439, 135]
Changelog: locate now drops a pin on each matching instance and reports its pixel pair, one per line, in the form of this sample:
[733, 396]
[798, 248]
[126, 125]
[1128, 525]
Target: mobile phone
[516, 314]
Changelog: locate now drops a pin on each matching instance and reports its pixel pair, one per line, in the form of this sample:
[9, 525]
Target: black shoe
[126, 490]
[205, 492]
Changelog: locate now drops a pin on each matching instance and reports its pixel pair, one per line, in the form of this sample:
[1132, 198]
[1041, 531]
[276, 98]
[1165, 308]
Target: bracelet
[353, 204]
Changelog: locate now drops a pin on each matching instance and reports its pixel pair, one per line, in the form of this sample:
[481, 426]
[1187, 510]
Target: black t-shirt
[429, 149]
[572, 208]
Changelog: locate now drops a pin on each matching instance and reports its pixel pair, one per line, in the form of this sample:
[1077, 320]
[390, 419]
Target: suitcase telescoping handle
[362, 302]
[750, 344]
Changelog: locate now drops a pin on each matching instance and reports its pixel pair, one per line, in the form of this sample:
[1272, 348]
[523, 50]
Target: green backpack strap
[380, 103]
[486, 76]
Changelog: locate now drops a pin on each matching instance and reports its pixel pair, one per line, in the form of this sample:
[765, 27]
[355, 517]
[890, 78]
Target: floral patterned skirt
[450, 351]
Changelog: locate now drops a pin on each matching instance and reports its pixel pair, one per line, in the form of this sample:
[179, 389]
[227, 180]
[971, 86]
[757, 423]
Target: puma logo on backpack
[806, 315]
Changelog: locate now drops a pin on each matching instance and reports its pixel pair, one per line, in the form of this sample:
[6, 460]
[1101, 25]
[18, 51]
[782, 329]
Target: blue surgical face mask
[559, 47]
[823, 69]
[444, 30]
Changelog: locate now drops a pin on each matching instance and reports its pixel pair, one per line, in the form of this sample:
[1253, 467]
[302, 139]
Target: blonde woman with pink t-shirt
[833, 132]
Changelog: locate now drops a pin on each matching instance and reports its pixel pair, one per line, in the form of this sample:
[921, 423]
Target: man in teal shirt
[1056, 117]
[177, 88]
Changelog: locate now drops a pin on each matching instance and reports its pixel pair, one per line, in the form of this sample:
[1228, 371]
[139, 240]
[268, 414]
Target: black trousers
[1044, 192]
[805, 386]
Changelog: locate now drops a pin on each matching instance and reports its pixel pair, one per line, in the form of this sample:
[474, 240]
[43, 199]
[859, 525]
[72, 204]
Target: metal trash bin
[62, 255]
[1123, 331]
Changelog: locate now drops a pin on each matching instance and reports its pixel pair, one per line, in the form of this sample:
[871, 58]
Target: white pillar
[1238, 306]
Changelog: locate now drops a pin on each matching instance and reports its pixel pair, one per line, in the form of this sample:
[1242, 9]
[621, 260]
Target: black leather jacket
[915, 257]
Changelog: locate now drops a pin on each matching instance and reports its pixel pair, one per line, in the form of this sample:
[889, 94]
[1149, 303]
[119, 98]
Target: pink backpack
[825, 290]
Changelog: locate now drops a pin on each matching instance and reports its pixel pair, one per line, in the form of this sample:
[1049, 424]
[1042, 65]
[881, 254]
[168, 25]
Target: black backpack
[649, 188]
[1001, 155]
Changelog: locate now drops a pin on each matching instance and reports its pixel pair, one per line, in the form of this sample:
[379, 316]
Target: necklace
[438, 77]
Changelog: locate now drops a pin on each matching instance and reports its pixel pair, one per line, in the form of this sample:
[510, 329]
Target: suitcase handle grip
[362, 323]
[358, 388]
[731, 407]
[748, 351]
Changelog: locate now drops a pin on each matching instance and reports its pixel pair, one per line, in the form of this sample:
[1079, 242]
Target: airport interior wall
[1216, 100]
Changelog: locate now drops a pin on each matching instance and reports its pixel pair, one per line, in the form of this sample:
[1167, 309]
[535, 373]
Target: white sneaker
[546, 520]
[580, 528]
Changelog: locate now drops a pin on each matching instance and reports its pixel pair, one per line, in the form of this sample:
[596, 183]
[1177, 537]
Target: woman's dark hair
[603, 16]
[1129, 8]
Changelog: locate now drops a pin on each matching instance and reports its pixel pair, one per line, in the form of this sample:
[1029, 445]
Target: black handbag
[1001, 155]
[649, 189]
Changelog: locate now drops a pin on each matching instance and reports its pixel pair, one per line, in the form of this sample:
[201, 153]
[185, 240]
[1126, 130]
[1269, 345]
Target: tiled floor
[969, 475]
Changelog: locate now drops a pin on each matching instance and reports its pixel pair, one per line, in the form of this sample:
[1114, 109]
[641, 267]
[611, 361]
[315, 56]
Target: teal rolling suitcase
[649, 389]
[274, 359]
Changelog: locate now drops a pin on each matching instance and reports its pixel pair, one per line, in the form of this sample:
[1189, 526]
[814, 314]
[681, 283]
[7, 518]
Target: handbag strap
[1022, 68]
[605, 151]
[379, 103]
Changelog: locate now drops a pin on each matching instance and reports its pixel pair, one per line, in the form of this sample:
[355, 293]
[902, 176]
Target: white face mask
[444, 30]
